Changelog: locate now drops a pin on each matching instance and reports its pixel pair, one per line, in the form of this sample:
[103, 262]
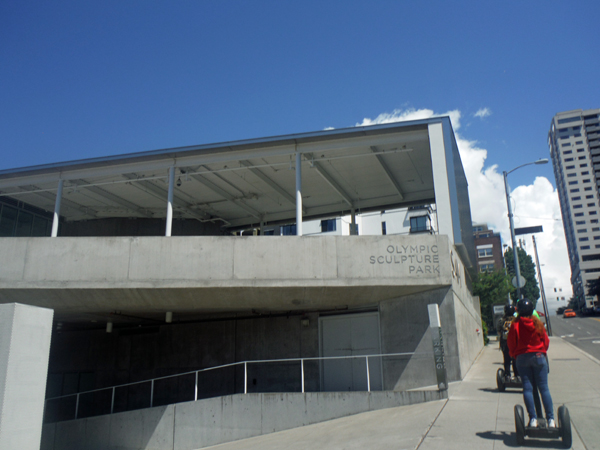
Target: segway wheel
[520, 424]
[500, 380]
[564, 425]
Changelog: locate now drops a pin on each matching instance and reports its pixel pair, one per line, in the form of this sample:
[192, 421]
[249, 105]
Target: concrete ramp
[209, 422]
[402, 427]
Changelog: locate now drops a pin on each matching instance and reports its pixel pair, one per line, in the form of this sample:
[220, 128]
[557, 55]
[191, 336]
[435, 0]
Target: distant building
[488, 247]
[574, 141]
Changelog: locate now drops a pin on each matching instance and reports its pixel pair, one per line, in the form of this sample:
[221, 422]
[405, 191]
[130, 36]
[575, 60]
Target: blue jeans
[534, 367]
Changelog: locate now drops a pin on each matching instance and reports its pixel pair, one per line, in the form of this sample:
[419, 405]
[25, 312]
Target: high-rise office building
[574, 141]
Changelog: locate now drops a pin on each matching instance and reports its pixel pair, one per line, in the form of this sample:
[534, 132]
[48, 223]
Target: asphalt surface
[475, 416]
[583, 332]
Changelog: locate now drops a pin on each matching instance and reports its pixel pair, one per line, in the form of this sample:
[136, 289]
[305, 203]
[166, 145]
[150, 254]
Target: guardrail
[101, 394]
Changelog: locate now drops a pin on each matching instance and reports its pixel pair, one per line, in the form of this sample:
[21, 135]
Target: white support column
[25, 333]
[56, 218]
[170, 201]
[298, 194]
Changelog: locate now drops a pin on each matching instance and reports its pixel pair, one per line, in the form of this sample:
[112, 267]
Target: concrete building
[488, 246]
[167, 262]
[403, 221]
[574, 141]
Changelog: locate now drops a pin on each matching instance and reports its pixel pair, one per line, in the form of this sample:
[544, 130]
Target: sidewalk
[475, 416]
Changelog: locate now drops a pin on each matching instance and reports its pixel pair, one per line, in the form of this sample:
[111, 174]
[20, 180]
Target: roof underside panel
[243, 184]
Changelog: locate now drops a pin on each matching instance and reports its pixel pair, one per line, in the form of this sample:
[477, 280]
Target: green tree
[527, 267]
[492, 288]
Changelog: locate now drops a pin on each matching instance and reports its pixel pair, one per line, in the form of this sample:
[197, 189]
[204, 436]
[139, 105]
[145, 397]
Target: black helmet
[509, 309]
[525, 307]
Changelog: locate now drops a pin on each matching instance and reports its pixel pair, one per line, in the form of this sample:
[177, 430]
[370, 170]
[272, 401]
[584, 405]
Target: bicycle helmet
[509, 309]
[525, 307]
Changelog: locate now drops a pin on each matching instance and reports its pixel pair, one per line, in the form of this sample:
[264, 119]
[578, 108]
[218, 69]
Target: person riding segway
[503, 376]
[528, 343]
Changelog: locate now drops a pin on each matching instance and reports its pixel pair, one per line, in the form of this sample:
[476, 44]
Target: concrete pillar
[57, 209]
[170, 201]
[447, 221]
[25, 333]
[298, 194]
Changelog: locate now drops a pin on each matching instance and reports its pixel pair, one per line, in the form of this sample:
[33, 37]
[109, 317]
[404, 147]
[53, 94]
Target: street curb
[590, 357]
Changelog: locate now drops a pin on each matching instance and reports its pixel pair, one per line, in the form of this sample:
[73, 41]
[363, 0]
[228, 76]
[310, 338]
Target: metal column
[56, 218]
[543, 294]
[298, 194]
[170, 201]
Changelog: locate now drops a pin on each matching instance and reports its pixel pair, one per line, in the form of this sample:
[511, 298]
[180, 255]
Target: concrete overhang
[84, 278]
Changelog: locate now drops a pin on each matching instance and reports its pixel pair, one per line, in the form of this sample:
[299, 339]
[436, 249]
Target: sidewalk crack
[431, 425]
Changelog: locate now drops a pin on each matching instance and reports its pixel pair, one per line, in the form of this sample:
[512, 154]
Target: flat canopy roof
[243, 183]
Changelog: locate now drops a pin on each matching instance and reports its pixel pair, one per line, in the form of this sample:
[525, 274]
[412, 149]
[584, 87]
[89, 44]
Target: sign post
[438, 346]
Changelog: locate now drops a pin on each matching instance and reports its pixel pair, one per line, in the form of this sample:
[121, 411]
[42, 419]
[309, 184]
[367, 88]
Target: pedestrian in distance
[528, 344]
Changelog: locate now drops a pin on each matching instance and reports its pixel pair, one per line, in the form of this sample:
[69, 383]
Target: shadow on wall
[405, 328]
[87, 360]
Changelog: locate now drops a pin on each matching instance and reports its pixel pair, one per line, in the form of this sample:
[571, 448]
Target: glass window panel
[40, 225]
[24, 224]
[8, 221]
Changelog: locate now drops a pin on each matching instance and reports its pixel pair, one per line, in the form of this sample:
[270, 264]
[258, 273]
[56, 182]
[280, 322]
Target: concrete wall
[86, 360]
[214, 273]
[193, 425]
[467, 318]
[24, 346]
[405, 328]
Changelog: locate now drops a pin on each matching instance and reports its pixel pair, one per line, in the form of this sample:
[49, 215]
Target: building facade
[574, 142]
[488, 246]
[240, 270]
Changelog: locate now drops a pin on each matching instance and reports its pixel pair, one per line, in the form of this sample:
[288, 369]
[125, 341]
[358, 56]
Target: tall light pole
[543, 293]
[512, 224]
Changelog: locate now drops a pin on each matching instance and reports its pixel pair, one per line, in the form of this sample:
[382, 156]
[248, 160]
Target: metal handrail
[245, 363]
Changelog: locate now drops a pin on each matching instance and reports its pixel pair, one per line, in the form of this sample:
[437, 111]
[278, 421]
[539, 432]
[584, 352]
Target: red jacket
[523, 338]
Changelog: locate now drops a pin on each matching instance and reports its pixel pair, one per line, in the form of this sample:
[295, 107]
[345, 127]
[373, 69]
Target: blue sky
[82, 79]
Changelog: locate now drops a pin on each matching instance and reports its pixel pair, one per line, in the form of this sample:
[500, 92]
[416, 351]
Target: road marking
[588, 332]
[594, 318]
[595, 342]
[567, 335]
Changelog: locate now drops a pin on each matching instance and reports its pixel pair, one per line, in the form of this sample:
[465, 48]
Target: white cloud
[534, 204]
[483, 112]
[399, 115]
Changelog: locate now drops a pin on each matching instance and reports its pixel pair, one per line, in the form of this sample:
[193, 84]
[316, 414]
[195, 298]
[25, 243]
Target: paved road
[583, 332]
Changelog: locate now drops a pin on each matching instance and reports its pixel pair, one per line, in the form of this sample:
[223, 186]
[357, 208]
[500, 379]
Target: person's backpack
[505, 328]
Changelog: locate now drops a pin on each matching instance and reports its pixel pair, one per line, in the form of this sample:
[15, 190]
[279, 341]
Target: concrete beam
[334, 184]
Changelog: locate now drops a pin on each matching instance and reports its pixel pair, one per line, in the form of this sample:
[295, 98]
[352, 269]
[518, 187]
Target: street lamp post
[512, 224]
[542, 292]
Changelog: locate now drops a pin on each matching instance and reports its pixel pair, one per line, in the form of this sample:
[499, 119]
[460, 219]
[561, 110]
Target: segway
[504, 381]
[562, 431]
